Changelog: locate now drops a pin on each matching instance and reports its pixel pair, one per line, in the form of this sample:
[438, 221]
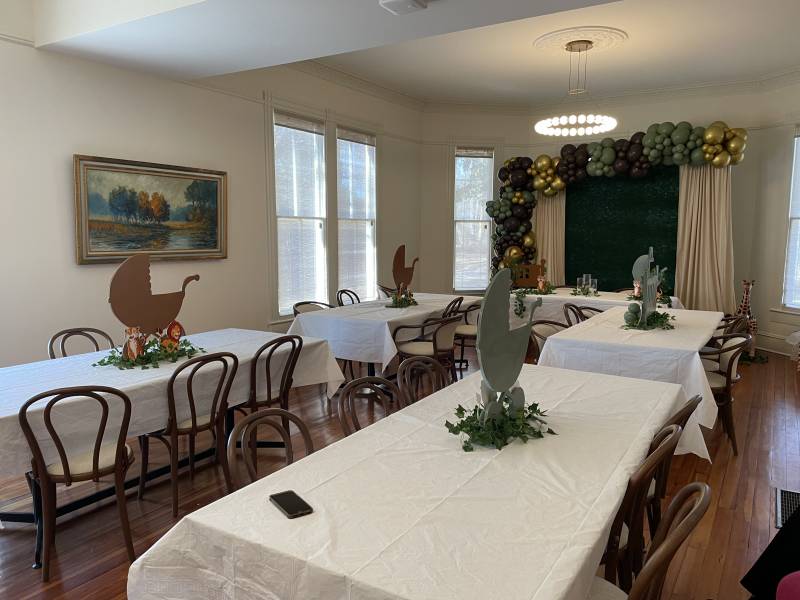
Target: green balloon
[653, 129]
[666, 128]
[634, 308]
[631, 319]
[680, 136]
[667, 160]
[697, 157]
[609, 156]
[680, 159]
[607, 142]
[691, 145]
[591, 147]
[679, 148]
[684, 125]
[698, 131]
[667, 141]
[649, 140]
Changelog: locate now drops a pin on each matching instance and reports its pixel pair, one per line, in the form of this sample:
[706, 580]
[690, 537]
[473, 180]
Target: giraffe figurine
[745, 310]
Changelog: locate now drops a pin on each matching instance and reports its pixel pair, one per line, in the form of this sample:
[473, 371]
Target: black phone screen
[291, 504]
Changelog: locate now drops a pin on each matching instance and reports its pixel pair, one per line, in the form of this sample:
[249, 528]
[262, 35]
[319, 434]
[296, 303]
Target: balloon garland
[661, 144]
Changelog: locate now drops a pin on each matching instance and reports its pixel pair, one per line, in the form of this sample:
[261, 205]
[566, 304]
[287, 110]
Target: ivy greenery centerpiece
[520, 293]
[153, 354]
[584, 290]
[500, 414]
[403, 298]
[655, 320]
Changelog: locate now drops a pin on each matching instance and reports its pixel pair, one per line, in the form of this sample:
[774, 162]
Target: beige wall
[54, 106]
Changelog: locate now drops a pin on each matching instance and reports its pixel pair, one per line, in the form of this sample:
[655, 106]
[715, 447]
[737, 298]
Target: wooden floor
[90, 561]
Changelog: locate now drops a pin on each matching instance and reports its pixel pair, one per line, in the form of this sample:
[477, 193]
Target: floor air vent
[786, 502]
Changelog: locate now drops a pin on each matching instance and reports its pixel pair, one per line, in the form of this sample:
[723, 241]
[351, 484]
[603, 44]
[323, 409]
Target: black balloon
[634, 152]
[581, 156]
[582, 146]
[562, 169]
[525, 162]
[511, 224]
[502, 174]
[519, 211]
[580, 175]
[567, 149]
[621, 166]
[636, 138]
[518, 178]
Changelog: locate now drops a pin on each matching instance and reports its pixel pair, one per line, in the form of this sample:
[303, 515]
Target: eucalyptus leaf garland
[154, 354]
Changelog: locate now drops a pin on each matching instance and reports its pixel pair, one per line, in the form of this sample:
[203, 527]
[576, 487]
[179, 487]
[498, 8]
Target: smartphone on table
[290, 504]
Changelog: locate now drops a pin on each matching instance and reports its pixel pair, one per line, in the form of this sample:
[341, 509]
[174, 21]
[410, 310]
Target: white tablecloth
[147, 390]
[401, 512]
[552, 308]
[601, 345]
[363, 332]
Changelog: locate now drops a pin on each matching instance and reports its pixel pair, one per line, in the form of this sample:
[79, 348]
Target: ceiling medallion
[602, 38]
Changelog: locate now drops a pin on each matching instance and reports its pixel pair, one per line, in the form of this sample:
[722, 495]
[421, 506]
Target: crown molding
[356, 83]
[13, 39]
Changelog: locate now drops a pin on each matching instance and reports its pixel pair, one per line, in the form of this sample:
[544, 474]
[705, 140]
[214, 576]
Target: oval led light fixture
[595, 124]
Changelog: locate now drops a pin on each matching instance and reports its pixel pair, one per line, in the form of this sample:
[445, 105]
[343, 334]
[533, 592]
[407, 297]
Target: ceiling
[675, 44]
[200, 38]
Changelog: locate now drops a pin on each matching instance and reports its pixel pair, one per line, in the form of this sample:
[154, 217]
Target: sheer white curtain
[472, 240]
[549, 225]
[704, 266]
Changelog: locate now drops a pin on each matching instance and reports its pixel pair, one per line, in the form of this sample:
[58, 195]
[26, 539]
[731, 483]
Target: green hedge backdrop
[612, 221]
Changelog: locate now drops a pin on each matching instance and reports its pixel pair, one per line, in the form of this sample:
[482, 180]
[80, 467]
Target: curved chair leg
[191, 456]
[726, 415]
[48, 523]
[144, 448]
[122, 506]
[173, 473]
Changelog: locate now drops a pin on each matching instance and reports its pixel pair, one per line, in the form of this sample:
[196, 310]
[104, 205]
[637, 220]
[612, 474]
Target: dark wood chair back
[309, 306]
[684, 513]
[101, 395]
[245, 432]
[288, 345]
[387, 290]
[542, 329]
[347, 297]
[453, 307]
[371, 389]
[219, 366]
[575, 314]
[95, 336]
[634, 503]
[420, 374]
[727, 349]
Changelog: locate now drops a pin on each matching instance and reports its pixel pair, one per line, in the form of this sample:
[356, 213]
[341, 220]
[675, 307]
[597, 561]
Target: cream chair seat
[187, 424]
[710, 365]
[603, 590]
[416, 348]
[82, 464]
[467, 330]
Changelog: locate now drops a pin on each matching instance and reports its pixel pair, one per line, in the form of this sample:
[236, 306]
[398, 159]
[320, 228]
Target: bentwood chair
[575, 314]
[371, 390]
[467, 335]
[440, 346]
[246, 429]
[112, 457]
[541, 330]
[626, 539]
[453, 308]
[347, 297]
[726, 349]
[387, 290]
[728, 325]
[309, 306]
[95, 337]
[215, 373]
[684, 513]
[657, 491]
[420, 374]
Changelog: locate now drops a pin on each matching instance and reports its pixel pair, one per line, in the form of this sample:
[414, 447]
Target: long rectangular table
[363, 332]
[147, 390]
[402, 512]
[601, 345]
[552, 308]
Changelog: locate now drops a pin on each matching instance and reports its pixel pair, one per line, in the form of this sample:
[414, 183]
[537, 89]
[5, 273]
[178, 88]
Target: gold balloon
[721, 124]
[558, 184]
[549, 179]
[736, 145]
[539, 183]
[723, 159]
[737, 158]
[549, 191]
[556, 161]
[740, 132]
[543, 162]
[714, 135]
[501, 264]
[529, 171]
[708, 156]
[551, 171]
[529, 240]
[513, 253]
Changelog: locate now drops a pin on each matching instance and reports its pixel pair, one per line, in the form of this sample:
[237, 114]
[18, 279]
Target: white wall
[54, 106]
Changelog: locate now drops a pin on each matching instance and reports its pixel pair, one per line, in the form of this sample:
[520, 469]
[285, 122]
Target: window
[474, 169]
[301, 210]
[356, 213]
[791, 276]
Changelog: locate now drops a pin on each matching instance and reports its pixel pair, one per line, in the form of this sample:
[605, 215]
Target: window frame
[790, 220]
[461, 151]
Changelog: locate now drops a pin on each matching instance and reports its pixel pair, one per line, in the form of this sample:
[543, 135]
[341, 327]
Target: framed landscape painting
[126, 207]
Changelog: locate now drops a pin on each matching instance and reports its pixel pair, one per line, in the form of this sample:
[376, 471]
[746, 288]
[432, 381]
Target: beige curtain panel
[549, 226]
[704, 266]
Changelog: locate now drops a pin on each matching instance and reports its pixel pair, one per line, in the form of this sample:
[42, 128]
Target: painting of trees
[159, 207]
[201, 196]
